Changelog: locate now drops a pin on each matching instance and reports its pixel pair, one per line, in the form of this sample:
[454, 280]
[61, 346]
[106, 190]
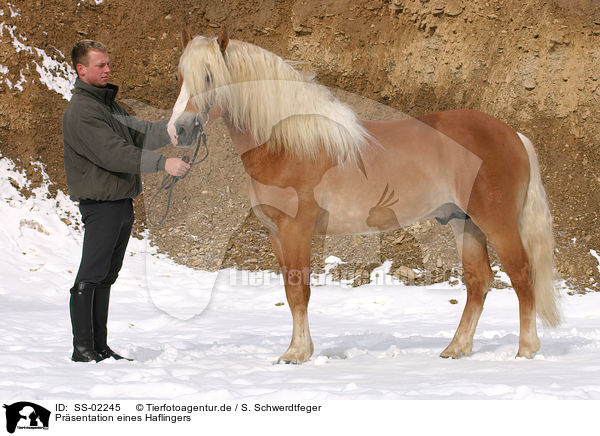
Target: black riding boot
[80, 306]
[101, 301]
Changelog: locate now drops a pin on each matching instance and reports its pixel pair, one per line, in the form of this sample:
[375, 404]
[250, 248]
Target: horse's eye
[208, 78]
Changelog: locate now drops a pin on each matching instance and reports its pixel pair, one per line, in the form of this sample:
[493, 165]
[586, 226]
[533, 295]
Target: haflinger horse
[314, 168]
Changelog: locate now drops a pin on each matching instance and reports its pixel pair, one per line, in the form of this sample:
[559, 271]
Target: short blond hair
[79, 53]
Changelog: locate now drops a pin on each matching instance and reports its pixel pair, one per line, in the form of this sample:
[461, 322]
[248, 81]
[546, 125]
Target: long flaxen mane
[265, 95]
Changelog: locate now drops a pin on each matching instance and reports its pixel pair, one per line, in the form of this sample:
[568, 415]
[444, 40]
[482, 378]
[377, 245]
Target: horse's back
[480, 133]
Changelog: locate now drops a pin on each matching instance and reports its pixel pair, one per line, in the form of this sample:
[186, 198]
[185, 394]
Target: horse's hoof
[455, 352]
[290, 359]
[450, 354]
[528, 349]
[286, 362]
[525, 354]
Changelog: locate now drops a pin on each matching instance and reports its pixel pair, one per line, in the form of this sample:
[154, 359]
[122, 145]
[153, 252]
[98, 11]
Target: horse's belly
[346, 222]
[354, 220]
[356, 204]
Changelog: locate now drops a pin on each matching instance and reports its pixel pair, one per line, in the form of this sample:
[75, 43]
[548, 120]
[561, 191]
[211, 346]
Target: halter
[169, 182]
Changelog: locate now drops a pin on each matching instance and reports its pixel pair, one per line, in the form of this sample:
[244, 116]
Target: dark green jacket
[105, 148]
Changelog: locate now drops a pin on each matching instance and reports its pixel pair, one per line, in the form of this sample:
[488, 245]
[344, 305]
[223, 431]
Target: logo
[25, 415]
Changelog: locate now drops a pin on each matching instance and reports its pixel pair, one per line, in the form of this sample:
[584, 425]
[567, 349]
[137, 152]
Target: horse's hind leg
[472, 247]
[510, 249]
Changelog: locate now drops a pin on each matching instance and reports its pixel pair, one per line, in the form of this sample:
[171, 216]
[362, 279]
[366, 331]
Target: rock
[34, 225]
[407, 272]
[302, 29]
[453, 8]
[529, 83]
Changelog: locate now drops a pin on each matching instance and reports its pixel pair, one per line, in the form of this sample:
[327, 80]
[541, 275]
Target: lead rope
[169, 182]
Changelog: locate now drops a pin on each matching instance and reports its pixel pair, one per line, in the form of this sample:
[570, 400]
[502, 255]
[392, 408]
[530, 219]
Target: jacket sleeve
[150, 135]
[93, 138]
[145, 134]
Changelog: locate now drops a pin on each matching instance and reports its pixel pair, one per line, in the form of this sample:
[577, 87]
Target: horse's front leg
[292, 247]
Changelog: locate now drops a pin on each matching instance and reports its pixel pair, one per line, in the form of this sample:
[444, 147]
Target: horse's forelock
[201, 59]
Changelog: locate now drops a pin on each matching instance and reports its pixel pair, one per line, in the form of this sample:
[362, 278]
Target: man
[105, 151]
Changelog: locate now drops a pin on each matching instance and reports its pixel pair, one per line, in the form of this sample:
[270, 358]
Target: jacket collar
[106, 94]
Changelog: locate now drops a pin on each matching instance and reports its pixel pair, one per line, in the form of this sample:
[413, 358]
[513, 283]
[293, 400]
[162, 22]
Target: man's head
[91, 61]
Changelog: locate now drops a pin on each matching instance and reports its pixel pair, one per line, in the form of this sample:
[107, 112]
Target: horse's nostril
[179, 130]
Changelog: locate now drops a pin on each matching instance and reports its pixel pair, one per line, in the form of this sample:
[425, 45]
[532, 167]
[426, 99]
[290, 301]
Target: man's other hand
[176, 167]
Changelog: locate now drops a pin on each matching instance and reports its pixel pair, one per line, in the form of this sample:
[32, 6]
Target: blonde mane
[266, 96]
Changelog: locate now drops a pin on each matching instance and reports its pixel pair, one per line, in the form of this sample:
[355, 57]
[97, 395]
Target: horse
[314, 168]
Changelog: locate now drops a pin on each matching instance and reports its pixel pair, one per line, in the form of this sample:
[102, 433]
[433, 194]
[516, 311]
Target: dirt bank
[532, 64]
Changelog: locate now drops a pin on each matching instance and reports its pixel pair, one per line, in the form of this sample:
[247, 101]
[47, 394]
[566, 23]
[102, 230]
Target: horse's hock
[534, 65]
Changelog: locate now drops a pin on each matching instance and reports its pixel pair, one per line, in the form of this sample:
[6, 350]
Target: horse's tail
[536, 232]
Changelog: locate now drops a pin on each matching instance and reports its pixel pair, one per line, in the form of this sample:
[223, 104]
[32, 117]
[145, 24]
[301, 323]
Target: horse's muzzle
[185, 130]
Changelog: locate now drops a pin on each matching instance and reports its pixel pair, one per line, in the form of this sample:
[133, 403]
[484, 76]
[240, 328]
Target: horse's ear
[186, 37]
[223, 40]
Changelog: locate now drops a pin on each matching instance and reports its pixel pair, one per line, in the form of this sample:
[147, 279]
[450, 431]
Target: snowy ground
[193, 340]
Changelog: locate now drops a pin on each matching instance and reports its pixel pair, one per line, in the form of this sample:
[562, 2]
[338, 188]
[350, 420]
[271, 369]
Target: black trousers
[107, 230]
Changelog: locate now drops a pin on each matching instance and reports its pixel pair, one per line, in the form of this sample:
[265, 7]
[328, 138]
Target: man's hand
[176, 167]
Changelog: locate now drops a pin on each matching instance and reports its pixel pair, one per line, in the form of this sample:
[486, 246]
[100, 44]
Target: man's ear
[223, 40]
[80, 69]
[186, 37]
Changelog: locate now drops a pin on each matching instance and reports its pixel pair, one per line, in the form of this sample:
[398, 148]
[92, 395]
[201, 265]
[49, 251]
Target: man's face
[97, 71]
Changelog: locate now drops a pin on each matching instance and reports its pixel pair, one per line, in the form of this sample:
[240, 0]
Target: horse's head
[201, 78]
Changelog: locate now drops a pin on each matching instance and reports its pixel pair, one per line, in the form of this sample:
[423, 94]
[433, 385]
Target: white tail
[536, 232]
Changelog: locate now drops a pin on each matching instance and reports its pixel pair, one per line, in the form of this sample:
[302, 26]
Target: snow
[214, 336]
[597, 257]
[51, 69]
[13, 12]
[57, 75]
[96, 2]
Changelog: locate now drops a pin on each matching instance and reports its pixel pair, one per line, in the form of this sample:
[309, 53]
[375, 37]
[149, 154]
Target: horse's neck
[242, 140]
[251, 153]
